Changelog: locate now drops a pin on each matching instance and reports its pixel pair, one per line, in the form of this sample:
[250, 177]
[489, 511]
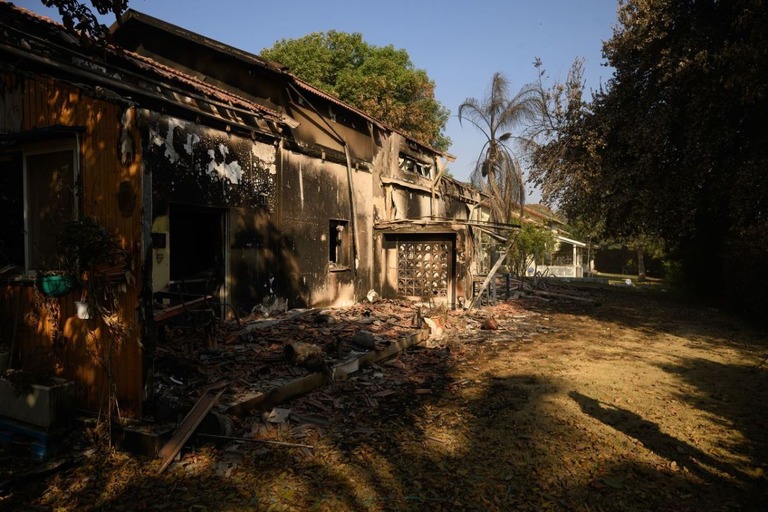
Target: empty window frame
[50, 199]
[339, 244]
[12, 229]
[409, 164]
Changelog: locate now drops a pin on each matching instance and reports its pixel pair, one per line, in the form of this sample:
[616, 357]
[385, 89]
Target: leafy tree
[498, 171]
[79, 18]
[566, 140]
[529, 245]
[567, 160]
[381, 81]
[685, 132]
[674, 147]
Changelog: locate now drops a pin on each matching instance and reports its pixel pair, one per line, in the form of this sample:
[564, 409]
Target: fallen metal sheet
[203, 406]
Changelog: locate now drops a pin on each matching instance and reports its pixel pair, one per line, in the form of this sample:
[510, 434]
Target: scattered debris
[278, 415]
[417, 412]
[304, 354]
[436, 330]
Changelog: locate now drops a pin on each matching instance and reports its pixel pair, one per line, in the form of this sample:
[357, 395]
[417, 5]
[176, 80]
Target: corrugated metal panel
[80, 355]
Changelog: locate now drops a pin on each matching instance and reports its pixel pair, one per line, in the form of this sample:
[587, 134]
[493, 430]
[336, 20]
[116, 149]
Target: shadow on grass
[501, 443]
[735, 396]
[657, 313]
[496, 442]
[651, 437]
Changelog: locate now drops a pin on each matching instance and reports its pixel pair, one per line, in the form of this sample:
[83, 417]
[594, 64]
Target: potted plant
[83, 247]
[56, 277]
[85, 244]
[94, 258]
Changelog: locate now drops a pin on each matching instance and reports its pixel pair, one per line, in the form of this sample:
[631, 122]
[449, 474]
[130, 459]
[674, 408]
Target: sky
[460, 44]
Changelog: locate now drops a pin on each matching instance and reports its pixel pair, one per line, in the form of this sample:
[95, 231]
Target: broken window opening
[339, 244]
[408, 164]
[12, 230]
[196, 243]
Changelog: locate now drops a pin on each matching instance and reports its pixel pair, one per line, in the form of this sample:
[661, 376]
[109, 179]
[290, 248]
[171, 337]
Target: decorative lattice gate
[423, 269]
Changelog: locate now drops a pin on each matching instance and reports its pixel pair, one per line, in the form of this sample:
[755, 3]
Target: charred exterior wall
[417, 214]
[200, 171]
[281, 210]
[317, 217]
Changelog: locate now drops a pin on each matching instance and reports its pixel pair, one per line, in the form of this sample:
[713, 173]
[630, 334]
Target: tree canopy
[674, 146]
[380, 80]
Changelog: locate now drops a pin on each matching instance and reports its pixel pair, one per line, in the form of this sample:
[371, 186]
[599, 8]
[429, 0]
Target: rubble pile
[260, 354]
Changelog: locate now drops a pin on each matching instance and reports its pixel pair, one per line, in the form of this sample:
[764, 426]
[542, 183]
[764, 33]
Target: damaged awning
[386, 180]
[443, 226]
[127, 77]
[423, 226]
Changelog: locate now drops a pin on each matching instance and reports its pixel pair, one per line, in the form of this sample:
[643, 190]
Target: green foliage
[674, 147]
[528, 243]
[381, 81]
[79, 18]
[498, 171]
[567, 143]
[83, 243]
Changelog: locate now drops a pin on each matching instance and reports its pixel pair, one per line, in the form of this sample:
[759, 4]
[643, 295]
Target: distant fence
[505, 286]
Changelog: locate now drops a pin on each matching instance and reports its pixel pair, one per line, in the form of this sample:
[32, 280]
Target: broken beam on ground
[209, 398]
[256, 440]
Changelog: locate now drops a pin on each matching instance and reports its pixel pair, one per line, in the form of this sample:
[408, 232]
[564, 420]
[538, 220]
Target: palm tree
[497, 171]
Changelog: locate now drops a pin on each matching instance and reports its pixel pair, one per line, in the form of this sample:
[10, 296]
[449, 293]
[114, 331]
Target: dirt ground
[639, 400]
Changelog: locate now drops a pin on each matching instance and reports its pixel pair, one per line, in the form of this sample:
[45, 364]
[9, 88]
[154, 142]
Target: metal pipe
[353, 207]
[353, 220]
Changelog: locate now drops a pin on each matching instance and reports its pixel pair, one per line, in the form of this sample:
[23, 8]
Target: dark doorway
[196, 237]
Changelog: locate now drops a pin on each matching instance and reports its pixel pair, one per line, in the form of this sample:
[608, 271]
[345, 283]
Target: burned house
[221, 175]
